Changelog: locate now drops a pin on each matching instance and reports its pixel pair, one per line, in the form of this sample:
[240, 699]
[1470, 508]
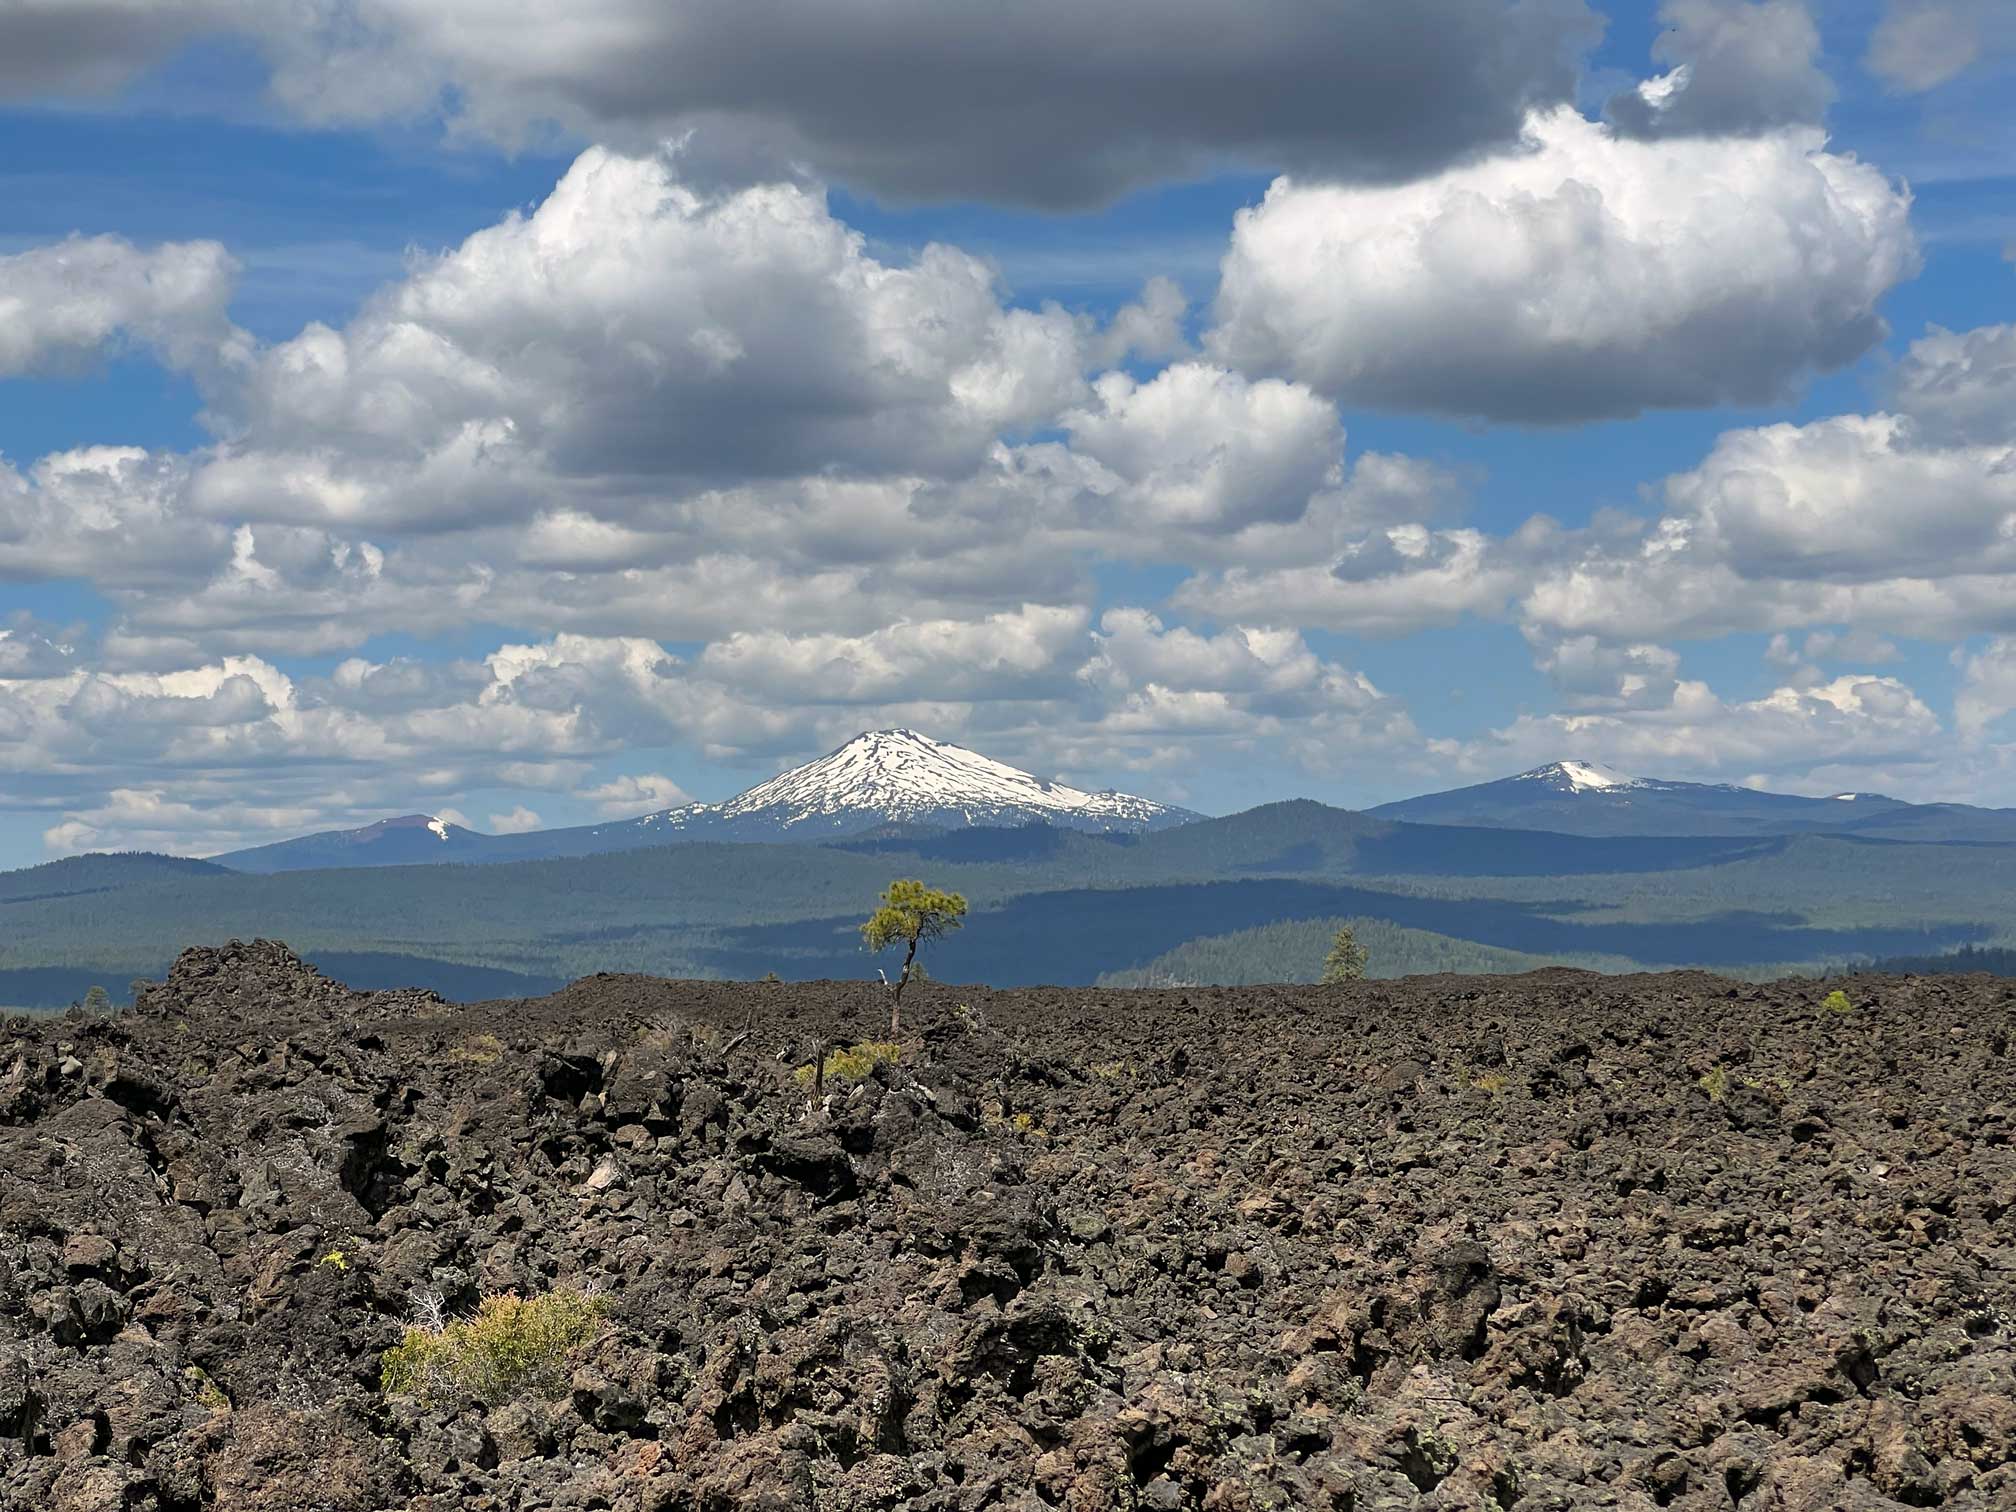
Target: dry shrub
[513, 1346]
[853, 1063]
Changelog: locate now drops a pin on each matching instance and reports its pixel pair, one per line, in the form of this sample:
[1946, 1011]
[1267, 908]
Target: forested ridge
[1236, 899]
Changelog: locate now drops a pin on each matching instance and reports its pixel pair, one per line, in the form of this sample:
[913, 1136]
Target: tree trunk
[896, 998]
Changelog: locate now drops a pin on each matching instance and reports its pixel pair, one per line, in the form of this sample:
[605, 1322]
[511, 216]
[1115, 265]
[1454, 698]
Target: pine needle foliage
[911, 915]
[1346, 961]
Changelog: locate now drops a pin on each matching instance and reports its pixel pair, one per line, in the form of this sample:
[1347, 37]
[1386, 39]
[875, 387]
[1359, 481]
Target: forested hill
[98, 873]
[1048, 905]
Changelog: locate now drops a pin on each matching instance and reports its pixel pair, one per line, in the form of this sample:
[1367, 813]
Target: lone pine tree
[1346, 961]
[911, 914]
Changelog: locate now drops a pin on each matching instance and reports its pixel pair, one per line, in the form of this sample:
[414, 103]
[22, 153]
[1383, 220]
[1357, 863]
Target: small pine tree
[911, 913]
[1346, 961]
[97, 1000]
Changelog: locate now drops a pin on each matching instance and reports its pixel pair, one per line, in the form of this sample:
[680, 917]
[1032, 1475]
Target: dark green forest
[1206, 900]
[1293, 951]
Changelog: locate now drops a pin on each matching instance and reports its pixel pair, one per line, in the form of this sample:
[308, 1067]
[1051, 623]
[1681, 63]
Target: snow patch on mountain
[899, 774]
[438, 827]
[902, 776]
[1582, 777]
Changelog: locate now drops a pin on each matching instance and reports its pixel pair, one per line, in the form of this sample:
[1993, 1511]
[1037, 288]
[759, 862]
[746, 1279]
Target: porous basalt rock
[1456, 1243]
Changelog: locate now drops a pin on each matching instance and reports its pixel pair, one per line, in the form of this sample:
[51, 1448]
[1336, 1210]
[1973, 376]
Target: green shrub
[1837, 1002]
[478, 1050]
[853, 1063]
[514, 1346]
[208, 1392]
[1025, 1124]
[1715, 1083]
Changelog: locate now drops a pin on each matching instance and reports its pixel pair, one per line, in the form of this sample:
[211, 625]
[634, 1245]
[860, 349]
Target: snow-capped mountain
[902, 777]
[1581, 777]
[409, 840]
[885, 777]
[1586, 798]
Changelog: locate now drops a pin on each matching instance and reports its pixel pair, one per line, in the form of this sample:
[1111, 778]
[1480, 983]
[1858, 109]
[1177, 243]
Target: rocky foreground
[1547, 1242]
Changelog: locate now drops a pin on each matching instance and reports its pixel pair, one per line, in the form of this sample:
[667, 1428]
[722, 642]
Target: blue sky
[537, 428]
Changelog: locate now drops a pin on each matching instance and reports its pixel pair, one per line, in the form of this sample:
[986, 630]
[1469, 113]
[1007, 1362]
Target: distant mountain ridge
[409, 840]
[1585, 798]
[879, 779]
[886, 788]
[1048, 904]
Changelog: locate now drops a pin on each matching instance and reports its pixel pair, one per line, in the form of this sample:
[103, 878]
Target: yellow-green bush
[479, 1050]
[513, 1346]
[1837, 1002]
[208, 1392]
[1715, 1083]
[1025, 1124]
[853, 1063]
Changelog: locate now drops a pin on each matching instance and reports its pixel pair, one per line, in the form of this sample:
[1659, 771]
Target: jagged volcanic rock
[1539, 1243]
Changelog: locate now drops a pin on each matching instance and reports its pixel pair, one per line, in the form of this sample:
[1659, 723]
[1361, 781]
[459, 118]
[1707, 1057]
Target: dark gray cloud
[1736, 67]
[1045, 102]
[52, 47]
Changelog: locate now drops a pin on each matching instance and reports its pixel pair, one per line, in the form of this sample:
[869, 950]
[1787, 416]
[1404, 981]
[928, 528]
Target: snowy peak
[904, 777]
[1581, 777]
[898, 773]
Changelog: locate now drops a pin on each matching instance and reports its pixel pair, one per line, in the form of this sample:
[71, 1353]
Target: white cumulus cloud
[1589, 276]
[64, 306]
[624, 797]
[1853, 719]
[1852, 521]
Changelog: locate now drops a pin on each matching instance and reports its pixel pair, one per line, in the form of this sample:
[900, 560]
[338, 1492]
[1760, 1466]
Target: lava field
[1538, 1243]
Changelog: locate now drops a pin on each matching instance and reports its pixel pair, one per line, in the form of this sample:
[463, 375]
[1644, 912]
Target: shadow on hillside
[1085, 932]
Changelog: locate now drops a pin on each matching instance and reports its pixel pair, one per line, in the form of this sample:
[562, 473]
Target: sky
[536, 414]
